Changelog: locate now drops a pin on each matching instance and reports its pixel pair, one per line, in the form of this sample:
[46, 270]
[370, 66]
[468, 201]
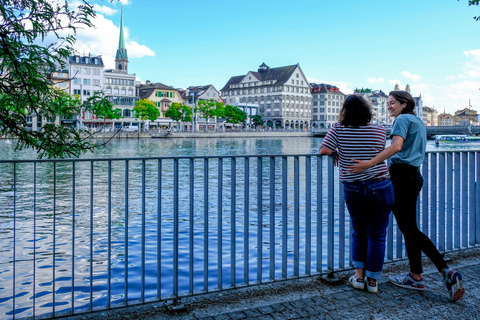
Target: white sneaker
[357, 283]
[372, 287]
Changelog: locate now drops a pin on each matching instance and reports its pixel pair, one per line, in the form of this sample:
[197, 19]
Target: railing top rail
[160, 158]
[195, 157]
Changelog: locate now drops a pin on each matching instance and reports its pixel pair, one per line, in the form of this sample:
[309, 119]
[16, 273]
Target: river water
[120, 148]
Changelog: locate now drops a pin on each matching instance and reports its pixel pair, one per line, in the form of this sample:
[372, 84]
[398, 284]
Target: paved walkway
[312, 298]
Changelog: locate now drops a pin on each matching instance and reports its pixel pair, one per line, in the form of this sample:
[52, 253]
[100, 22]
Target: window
[96, 72]
[322, 103]
[124, 91]
[86, 82]
[315, 110]
[77, 81]
[86, 70]
[96, 82]
[293, 81]
[109, 90]
[77, 91]
[62, 84]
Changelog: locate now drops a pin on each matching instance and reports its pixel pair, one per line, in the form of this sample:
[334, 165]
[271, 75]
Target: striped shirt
[362, 143]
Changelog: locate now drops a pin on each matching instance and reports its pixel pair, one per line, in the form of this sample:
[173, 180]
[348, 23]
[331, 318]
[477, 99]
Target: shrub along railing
[92, 234]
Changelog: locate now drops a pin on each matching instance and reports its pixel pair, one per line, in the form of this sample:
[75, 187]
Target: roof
[324, 88]
[280, 75]
[146, 90]
[87, 60]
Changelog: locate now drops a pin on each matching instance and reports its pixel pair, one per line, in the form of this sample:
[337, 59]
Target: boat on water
[456, 139]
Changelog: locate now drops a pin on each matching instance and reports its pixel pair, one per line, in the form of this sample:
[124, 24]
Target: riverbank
[190, 135]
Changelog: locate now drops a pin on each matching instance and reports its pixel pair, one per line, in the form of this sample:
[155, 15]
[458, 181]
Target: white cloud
[104, 10]
[472, 67]
[411, 76]
[125, 2]
[376, 80]
[103, 40]
[473, 53]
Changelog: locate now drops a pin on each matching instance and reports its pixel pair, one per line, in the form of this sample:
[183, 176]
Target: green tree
[179, 112]
[257, 120]
[103, 109]
[210, 109]
[146, 110]
[26, 59]
[234, 115]
[474, 3]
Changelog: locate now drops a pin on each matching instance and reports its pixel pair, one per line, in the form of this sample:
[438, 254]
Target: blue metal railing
[92, 234]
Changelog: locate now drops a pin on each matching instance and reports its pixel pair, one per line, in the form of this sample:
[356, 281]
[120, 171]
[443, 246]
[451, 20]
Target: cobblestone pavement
[315, 299]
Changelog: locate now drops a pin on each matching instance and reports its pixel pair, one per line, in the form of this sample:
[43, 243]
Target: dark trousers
[407, 182]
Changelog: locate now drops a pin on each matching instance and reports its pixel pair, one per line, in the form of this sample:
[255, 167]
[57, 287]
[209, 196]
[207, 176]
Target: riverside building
[162, 96]
[327, 101]
[191, 96]
[282, 95]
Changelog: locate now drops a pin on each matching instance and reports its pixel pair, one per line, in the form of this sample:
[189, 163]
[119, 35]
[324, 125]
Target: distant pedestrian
[407, 150]
[368, 195]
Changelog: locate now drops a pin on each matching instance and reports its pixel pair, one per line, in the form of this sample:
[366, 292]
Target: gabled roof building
[282, 95]
[162, 96]
[327, 101]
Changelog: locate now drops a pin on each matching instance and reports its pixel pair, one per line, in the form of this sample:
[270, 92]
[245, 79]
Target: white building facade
[282, 95]
[327, 101]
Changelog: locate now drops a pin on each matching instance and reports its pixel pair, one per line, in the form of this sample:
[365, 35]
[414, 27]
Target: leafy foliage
[474, 3]
[210, 108]
[146, 110]
[234, 115]
[179, 112]
[257, 120]
[103, 108]
[25, 62]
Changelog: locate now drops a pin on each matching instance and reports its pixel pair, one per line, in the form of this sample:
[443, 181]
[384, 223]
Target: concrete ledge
[187, 135]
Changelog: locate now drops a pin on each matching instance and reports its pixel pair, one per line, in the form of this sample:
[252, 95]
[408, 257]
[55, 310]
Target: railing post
[330, 216]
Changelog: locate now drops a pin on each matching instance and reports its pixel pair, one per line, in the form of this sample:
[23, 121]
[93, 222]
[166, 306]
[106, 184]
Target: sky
[431, 45]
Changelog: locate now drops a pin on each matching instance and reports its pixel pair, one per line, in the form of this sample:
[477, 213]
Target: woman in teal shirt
[407, 152]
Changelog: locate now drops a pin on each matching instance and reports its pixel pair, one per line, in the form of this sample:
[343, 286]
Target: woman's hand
[360, 166]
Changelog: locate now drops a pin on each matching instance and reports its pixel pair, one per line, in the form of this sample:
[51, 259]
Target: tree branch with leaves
[26, 59]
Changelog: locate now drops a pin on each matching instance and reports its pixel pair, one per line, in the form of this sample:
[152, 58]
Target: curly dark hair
[404, 97]
[356, 111]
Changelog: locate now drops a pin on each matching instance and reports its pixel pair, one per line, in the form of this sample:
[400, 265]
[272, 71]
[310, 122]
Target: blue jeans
[369, 203]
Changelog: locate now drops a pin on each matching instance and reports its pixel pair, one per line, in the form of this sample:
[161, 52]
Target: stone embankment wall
[189, 135]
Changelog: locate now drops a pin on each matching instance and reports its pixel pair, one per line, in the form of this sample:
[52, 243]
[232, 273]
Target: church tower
[121, 58]
[397, 87]
[407, 88]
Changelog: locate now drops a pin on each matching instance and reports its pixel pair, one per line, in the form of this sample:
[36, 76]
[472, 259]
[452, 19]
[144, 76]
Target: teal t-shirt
[413, 131]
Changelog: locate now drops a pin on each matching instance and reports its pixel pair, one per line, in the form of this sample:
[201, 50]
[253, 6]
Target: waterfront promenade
[313, 298]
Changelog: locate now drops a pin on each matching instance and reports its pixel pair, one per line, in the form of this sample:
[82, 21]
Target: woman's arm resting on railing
[329, 152]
